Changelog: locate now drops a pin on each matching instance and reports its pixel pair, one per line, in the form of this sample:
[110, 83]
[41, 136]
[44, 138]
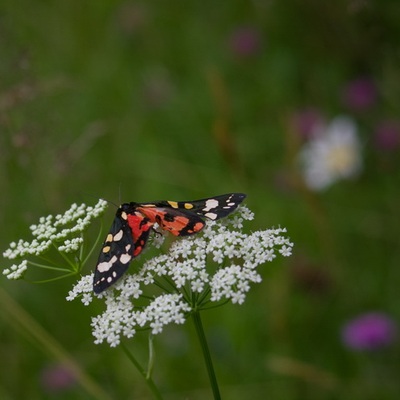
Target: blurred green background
[150, 100]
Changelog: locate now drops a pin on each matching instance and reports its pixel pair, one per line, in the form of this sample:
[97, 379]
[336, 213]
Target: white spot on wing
[211, 215]
[118, 236]
[210, 204]
[106, 265]
[125, 258]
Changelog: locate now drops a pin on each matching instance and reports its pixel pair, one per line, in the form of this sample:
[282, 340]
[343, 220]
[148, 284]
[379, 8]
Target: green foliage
[141, 101]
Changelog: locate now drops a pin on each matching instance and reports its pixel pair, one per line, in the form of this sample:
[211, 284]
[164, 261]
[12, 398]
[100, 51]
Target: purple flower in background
[57, 378]
[369, 331]
[387, 135]
[307, 121]
[132, 17]
[360, 94]
[157, 88]
[245, 41]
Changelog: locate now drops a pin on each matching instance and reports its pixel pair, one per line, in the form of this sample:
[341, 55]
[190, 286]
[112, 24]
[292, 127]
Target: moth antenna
[110, 202]
[119, 193]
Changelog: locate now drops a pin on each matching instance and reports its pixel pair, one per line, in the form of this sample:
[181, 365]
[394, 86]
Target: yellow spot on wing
[173, 204]
[106, 249]
[109, 238]
[188, 206]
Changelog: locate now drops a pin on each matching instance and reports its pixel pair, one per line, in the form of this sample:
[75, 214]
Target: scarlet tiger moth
[133, 223]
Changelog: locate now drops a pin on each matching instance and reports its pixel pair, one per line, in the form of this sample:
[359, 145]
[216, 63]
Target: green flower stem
[94, 247]
[35, 264]
[206, 353]
[151, 357]
[148, 379]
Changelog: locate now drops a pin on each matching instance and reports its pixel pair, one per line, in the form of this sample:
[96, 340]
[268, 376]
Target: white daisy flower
[332, 154]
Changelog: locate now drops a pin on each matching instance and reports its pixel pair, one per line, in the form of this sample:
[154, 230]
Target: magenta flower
[57, 378]
[387, 135]
[306, 121]
[360, 94]
[245, 42]
[369, 331]
[157, 90]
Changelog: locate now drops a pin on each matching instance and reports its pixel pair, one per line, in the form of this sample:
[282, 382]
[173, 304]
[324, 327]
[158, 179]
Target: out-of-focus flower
[307, 121]
[157, 88]
[132, 17]
[360, 94]
[369, 331]
[245, 41]
[56, 378]
[387, 135]
[313, 280]
[332, 154]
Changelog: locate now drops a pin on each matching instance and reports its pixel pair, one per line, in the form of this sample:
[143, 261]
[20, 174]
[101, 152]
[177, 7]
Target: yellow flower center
[341, 159]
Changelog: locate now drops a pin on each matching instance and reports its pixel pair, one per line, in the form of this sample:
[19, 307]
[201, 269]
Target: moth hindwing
[133, 222]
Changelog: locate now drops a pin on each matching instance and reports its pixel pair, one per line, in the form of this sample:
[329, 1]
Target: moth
[134, 222]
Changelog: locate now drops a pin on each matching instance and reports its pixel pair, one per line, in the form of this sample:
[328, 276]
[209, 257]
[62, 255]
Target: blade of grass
[18, 316]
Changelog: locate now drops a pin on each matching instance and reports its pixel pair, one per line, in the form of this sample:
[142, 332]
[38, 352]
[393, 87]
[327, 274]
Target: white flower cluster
[216, 265]
[63, 231]
[332, 154]
[16, 271]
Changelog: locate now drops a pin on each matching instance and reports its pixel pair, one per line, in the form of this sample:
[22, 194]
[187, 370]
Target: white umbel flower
[63, 231]
[215, 266]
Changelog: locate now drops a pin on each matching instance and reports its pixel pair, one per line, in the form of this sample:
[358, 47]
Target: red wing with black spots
[133, 222]
[175, 221]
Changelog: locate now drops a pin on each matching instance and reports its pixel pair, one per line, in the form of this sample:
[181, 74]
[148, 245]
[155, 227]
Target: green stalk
[206, 354]
[145, 374]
